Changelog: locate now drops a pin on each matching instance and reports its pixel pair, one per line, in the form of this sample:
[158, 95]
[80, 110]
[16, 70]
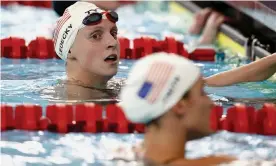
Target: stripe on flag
[157, 77]
[66, 15]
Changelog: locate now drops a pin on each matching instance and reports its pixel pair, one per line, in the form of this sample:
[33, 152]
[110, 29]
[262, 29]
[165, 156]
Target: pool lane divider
[42, 48]
[93, 118]
[245, 119]
[64, 118]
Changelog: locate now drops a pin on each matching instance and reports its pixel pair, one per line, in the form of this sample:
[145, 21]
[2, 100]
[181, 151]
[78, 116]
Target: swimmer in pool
[87, 41]
[173, 106]
[85, 37]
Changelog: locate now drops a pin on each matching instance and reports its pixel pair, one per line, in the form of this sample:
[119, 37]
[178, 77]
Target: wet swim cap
[155, 84]
[68, 25]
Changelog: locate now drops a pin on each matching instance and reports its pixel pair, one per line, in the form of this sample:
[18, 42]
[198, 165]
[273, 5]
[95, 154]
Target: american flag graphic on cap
[156, 78]
[66, 15]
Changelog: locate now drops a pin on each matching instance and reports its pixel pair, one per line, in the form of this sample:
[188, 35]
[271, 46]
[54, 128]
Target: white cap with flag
[156, 83]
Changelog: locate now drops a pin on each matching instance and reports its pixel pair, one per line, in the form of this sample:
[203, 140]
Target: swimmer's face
[97, 49]
[196, 111]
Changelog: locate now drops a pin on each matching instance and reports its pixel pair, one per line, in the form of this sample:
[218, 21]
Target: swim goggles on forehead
[96, 18]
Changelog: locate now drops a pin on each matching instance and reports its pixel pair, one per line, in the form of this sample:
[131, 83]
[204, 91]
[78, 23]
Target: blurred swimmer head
[165, 89]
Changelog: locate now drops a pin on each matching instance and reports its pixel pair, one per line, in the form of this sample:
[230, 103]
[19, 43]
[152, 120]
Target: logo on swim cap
[66, 15]
[155, 84]
[172, 87]
[156, 79]
[64, 35]
[92, 11]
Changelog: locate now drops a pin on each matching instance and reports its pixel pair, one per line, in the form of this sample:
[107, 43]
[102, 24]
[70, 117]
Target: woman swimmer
[86, 39]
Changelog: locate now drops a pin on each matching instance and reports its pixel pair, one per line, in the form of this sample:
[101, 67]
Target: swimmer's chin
[111, 73]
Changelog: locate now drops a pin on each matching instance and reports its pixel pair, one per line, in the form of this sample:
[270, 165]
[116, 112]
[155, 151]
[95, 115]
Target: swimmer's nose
[112, 46]
[112, 43]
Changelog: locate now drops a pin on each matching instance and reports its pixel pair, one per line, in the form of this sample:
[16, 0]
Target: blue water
[25, 80]
[44, 148]
[22, 81]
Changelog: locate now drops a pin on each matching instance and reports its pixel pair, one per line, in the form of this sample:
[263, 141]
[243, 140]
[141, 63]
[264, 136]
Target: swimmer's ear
[180, 107]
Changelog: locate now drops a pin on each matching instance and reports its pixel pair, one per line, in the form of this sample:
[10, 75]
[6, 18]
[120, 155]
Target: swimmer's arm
[206, 161]
[256, 71]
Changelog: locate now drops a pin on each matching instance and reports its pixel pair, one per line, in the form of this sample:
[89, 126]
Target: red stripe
[65, 14]
[60, 23]
[158, 75]
[153, 75]
[164, 76]
[155, 80]
[64, 18]
[59, 27]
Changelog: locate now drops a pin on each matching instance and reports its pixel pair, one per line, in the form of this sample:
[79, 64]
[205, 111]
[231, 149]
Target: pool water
[45, 148]
[28, 80]
[23, 81]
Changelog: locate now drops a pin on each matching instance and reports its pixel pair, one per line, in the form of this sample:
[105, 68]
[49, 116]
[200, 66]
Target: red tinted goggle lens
[94, 18]
[112, 16]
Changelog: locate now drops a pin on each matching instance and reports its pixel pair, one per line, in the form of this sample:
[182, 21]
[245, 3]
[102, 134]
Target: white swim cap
[69, 24]
[155, 84]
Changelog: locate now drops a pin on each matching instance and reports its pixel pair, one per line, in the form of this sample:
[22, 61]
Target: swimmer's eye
[114, 33]
[97, 35]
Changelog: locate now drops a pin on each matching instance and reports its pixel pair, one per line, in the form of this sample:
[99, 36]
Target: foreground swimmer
[86, 39]
[173, 105]
[259, 70]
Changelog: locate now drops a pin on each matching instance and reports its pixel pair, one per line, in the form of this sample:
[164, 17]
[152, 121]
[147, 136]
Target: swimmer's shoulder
[206, 161]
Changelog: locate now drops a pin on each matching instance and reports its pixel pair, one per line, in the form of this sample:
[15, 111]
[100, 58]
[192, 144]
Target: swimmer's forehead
[104, 25]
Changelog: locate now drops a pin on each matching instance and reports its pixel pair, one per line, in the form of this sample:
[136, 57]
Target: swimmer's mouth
[111, 58]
